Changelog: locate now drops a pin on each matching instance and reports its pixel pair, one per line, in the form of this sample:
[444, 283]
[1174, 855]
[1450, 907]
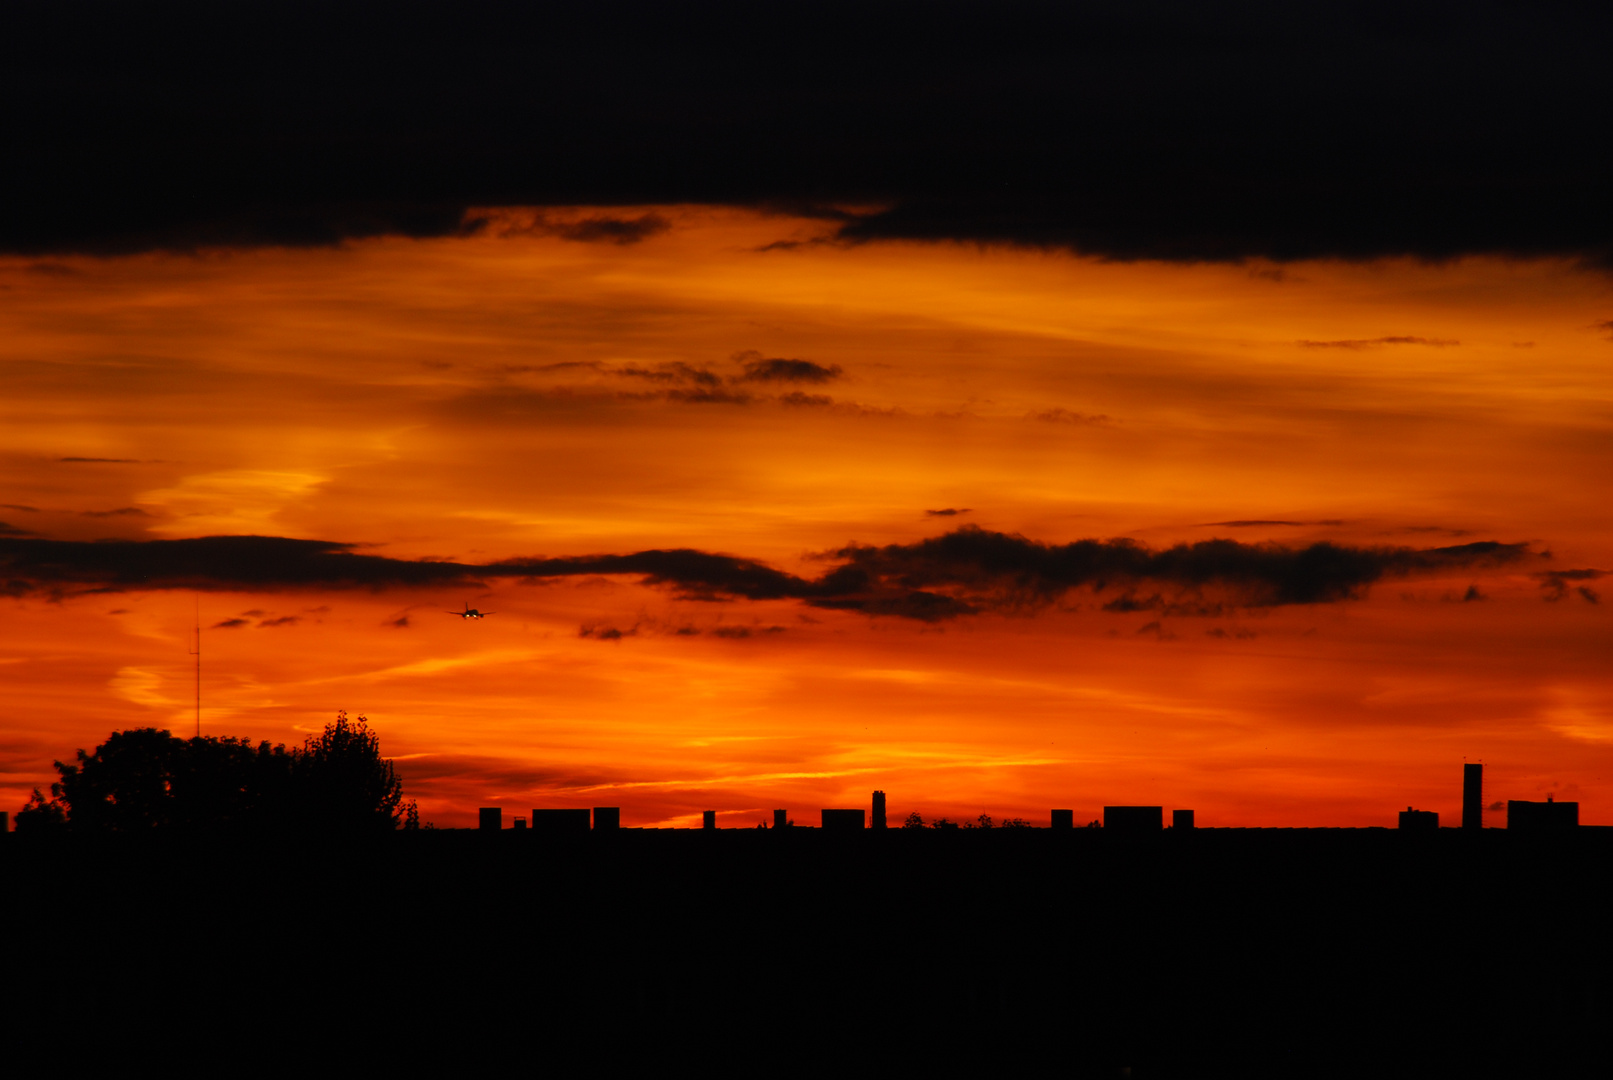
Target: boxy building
[1472, 796]
[1134, 818]
[843, 819]
[560, 821]
[1545, 816]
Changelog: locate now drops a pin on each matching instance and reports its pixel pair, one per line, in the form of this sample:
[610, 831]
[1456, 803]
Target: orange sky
[516, 393]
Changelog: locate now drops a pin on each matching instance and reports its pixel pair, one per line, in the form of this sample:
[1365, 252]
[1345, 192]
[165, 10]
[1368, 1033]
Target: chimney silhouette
[1472, 796]
[781, 818]
[878, 821]
[708, 819]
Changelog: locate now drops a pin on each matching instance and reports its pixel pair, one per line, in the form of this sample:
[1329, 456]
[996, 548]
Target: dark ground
[1219, 952]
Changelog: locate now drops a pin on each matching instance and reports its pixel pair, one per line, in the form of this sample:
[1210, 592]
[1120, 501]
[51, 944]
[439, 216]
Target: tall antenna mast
[196, 651]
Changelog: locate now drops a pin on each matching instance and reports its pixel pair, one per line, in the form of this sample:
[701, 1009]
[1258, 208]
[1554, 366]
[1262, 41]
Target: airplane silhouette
[471, 613]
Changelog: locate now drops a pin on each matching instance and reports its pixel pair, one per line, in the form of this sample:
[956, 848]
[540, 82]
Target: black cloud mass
[966, 571]
[1173, 129]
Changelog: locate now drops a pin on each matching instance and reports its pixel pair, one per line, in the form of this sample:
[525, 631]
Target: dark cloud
[212, 562]
[284, 620]
[1167, 129]
[1238, 633]
[739, 633]
[1589, 594]
[991, 569]
[400, 623]
[1554, 584]
[17, 506]
[592, 230]
[948, 512]
[706, 397]
[677, 371]
[1129, 603]
[779, 370]
[1065, 416]
[1473, 594]
[798, 399]
[229, 624]
[958, 573]
[1606, 326]
[7, 529]
[1252, 523]
[1373, 343]
[126, 511]
[99, 460]
[606, 633]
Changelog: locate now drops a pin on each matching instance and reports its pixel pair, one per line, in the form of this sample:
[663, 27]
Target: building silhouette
[1181, 819]
[1548, 816]
[781, 818]
[1472, 796]
[490, 818]
[841, 820]
[607, 817]
[1134, 818]
[878, 820]
[1063, 819]
[1418, 820]
[708, 819]
[560, 821]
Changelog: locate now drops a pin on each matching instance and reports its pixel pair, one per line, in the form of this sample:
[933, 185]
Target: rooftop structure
[1548, 816]
[1134, 818]
[843, 819]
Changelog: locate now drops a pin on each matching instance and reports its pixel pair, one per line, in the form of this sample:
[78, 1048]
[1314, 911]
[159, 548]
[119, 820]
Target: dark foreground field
[1005, 953]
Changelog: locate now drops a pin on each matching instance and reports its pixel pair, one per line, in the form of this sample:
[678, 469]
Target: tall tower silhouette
[879, 811]
[1472, 796]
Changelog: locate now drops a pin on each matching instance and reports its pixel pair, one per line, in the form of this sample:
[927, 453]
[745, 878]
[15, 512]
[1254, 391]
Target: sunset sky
[781, 494]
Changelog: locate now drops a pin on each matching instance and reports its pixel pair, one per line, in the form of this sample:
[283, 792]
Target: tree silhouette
[126, 785]
[144, 779]
[914, 821]
[344, 783]
[38, 815]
